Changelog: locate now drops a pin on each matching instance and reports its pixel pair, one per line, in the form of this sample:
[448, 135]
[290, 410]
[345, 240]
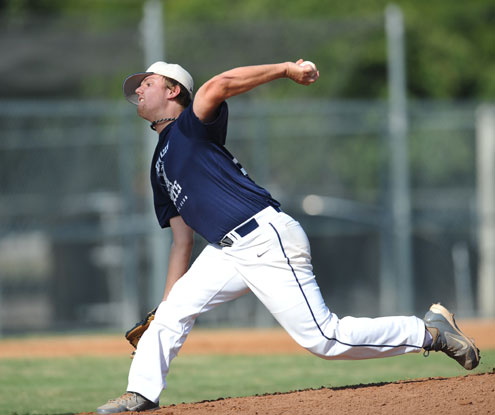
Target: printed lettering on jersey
[174, 189]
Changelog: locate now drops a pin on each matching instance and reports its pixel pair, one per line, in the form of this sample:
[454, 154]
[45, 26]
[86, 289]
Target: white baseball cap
[170, 70]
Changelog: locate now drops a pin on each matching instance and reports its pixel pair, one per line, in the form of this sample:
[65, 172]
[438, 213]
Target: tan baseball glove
[134, 334]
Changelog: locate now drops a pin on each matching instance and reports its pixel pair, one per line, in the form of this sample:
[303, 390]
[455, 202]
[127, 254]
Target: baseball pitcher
[198, 186]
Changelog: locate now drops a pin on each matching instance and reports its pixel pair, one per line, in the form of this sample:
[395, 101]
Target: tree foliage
[450, 45]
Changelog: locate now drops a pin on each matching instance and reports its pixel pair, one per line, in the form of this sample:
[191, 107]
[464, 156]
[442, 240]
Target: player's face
[151, 97]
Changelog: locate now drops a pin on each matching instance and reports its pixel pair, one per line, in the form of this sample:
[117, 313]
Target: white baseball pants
[274, 262]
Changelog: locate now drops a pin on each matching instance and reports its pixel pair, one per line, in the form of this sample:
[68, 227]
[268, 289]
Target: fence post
[485, 163]
[159, 241]
[399, 199]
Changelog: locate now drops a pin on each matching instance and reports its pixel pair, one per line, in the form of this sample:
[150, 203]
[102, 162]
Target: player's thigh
[211, 280]
[282, 278]
[279, 269]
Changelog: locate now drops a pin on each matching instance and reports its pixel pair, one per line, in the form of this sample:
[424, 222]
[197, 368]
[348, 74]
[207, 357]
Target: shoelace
[124, 397]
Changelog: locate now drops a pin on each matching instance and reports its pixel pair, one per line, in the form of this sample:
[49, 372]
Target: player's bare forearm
[239, 80]
[178, 264]
[180, 253]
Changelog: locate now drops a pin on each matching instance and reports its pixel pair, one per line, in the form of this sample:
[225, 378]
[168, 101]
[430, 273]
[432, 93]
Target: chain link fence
[74, 225]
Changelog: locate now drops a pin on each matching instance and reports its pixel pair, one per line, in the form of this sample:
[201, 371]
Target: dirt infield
[473, 394]
[470, 394]
[250, 342]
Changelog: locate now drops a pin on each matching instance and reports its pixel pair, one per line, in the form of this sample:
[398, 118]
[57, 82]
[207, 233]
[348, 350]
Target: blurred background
[388, 161]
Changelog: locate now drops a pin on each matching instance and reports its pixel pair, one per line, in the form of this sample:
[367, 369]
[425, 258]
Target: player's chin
[141, 110]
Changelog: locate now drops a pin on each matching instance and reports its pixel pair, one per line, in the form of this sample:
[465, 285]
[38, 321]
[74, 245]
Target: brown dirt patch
[471, 394]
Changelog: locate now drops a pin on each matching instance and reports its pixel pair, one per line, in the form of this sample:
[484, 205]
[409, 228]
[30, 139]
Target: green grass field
[72, 385]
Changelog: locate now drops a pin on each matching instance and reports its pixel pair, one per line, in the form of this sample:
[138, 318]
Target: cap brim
[131, 83]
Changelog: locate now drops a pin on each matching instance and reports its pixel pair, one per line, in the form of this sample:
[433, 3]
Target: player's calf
[448, 338]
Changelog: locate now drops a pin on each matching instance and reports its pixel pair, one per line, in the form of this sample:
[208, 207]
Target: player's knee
[324, 349]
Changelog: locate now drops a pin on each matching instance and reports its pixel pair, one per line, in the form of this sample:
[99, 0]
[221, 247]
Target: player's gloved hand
[134, 334]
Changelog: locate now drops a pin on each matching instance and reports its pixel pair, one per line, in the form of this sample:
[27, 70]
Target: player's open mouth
[141, 99]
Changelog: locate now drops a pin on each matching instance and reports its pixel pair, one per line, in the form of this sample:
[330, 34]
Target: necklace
[160, 121]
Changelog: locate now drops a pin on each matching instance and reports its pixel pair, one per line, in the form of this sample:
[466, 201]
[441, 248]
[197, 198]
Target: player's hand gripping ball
[314, 73]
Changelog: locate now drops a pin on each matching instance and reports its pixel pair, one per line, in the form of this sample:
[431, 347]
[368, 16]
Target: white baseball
[308, 63]
[314, 72]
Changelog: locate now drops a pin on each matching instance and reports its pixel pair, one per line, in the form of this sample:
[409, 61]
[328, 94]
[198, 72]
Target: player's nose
[139, 90]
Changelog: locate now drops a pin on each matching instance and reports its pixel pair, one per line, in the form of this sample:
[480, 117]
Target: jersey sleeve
[164, 209]
[216, 130]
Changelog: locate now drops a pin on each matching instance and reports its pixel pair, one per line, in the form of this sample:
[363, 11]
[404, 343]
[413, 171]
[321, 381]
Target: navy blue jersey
[193, 175]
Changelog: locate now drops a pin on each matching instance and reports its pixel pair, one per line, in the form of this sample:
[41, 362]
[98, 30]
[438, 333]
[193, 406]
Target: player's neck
[159, 124]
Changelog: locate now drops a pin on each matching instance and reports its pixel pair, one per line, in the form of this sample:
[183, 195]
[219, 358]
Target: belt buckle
[226, 242]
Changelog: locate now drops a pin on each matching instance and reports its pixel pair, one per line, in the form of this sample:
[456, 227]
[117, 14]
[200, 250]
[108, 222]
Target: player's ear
[173, 91]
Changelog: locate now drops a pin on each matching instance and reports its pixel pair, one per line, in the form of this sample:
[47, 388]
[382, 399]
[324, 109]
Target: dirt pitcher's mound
[472, 394]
